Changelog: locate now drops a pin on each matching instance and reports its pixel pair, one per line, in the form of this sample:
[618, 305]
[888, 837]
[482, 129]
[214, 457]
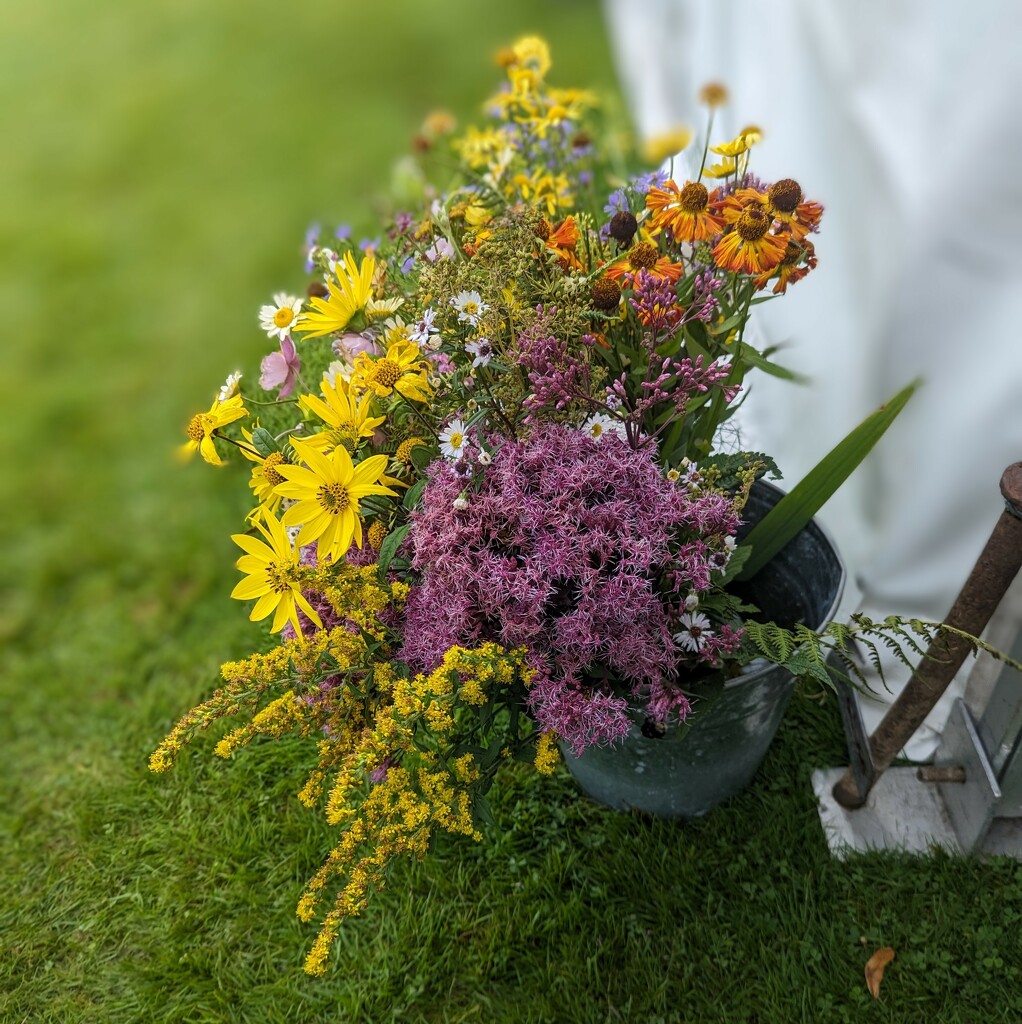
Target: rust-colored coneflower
[689, 213]
[749, 247]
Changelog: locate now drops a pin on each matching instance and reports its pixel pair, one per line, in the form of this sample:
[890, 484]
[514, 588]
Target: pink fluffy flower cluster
[564, 545]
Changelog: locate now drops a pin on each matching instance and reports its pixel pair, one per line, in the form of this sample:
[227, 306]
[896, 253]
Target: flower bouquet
[495, 507]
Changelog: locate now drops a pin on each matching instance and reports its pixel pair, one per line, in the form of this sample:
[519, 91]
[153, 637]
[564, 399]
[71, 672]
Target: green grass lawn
[161, 164]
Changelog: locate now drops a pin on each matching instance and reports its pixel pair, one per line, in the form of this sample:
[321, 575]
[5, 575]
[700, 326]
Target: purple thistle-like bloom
[281, 369]
[560, 550]
[556, 376]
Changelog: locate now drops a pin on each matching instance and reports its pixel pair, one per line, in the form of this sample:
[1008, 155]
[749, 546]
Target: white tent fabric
[904, 118]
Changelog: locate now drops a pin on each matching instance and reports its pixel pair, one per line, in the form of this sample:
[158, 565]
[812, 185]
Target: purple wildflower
[559, 551]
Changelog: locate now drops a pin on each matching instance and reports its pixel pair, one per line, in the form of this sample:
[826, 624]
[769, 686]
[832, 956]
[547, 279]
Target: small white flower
[470, 307]
[600, 424]
[485, 458]
[673, 475]
[695, 631]
[460, 503]
[422, 331]
[691, 602]
[482, 350]
[730, 543]
[453, 440]
[278, 319]
[230, 386]
[613, 400]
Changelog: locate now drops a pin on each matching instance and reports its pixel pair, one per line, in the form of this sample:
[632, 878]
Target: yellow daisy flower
[344, 412]
[264, 477]
[203, 425]
[273, 576]
[402, 370]
[326, 492]
[348, 296]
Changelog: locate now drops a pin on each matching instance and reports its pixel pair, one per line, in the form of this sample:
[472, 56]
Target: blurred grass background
[161, 164]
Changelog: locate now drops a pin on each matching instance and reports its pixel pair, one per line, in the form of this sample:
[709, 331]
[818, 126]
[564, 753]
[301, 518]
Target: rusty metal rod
[997, 566]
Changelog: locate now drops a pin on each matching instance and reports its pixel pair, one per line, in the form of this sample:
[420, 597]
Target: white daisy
[695, 631]
[278, 320]
[423, 330]
[453, 440]
[482, 349]
[230, 386]
[600, 424]
[470, 307]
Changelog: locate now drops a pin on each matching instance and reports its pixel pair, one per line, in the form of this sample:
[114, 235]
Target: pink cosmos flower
[280, 369]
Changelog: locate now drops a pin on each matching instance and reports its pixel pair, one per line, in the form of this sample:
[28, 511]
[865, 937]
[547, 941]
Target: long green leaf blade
[806, 498]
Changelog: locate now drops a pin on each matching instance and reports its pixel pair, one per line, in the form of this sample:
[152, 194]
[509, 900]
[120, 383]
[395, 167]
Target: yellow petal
[251, 586]
[308, 609]
[252, 546]
[264, 606]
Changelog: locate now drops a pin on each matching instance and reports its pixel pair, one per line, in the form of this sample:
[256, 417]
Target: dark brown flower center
[623, 226]
[694, 197]
[753, 224]
[785, 195]
[792, 254]
[543, 229]
[606, 293]
[643, 255]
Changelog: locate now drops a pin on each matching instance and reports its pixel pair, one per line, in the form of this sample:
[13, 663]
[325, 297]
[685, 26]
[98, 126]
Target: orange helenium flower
[799, 258]
[562, 240]
[748, 247]
[689, 213]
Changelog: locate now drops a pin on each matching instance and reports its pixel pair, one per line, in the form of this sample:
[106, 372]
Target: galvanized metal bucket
[690, 769]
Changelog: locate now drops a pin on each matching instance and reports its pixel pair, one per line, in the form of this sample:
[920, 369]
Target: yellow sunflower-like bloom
[273, 576]
[203, 425]
[347, 415]
[326, 492]
[532, 52]
[402, 370]
[349, 295]
[264, 477]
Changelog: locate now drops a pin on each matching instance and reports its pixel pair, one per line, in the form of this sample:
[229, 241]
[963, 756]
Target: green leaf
[389, 548]
[793, 512]
[422, 455]
[264, 442]
[756, 358]
[413, 493]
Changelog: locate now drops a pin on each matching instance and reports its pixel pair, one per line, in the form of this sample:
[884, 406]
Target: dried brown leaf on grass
[875, 967]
